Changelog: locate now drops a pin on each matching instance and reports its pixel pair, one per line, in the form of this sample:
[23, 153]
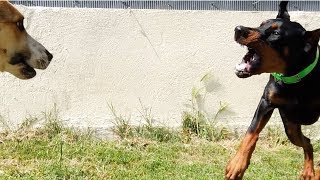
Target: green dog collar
[297, 78]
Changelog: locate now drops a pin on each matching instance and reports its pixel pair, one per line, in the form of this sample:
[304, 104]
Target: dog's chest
[302, 114]
[302, 109]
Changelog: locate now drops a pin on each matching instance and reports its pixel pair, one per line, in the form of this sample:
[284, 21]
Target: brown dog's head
[277, 45]
[19, 52]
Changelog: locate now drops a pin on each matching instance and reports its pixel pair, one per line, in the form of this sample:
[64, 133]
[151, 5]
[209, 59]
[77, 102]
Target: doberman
[291, 54]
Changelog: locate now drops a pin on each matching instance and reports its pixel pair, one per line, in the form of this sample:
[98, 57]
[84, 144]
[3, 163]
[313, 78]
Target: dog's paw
[308, 171]
[307, 174]
[317, 173]
[236, 167]
[307, 177]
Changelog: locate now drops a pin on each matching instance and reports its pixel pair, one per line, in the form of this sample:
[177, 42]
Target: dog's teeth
[240, 67]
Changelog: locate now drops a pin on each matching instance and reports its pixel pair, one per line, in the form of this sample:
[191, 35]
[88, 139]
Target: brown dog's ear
[311, 39]
[8, 13]
[283, 12]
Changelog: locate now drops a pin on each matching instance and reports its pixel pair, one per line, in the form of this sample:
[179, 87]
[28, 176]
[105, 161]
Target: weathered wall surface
[113, 56]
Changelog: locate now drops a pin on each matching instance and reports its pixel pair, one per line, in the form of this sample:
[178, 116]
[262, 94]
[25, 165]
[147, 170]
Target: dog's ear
[311, 39]
[283, 12]
[8, 13]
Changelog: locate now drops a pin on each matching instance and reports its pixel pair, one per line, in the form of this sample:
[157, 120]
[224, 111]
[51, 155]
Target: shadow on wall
[199, 94]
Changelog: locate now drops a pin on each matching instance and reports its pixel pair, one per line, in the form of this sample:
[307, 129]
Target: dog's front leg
[241, 160]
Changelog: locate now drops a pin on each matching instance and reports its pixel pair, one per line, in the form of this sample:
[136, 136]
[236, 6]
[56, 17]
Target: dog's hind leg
[295, 135]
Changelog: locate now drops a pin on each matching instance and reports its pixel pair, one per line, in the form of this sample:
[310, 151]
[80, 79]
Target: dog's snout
[241, 31]
[18, 58]
[50, 56]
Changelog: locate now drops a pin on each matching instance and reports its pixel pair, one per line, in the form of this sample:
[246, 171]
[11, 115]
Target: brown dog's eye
[20, 25]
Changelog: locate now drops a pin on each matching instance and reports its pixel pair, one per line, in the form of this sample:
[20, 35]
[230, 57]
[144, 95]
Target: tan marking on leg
[241, 161]
[297, 138]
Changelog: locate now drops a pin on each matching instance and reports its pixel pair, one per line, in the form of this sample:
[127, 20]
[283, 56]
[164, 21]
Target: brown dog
[19, 52]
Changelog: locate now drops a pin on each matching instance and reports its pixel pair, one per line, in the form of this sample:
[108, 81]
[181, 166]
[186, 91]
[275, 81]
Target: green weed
[121, 126]
[145, 130]
[196, 121]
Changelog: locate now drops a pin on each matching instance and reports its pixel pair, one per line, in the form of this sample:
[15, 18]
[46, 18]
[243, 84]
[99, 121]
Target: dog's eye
[20, 25]
[276, 33]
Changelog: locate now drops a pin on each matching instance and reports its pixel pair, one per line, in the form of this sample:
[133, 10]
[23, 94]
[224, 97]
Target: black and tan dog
[291, 54]
[19, 52]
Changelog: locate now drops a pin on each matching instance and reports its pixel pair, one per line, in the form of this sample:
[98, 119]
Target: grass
[69, 155]
[53, 151]
[146, 130]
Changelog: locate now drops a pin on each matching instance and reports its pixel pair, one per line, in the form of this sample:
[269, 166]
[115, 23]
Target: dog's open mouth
[249, 65]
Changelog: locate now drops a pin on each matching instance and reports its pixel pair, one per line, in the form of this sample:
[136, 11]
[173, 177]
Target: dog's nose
[241, 31]
[50, 56]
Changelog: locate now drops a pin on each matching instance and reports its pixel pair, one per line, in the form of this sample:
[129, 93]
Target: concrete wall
[113, 56]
